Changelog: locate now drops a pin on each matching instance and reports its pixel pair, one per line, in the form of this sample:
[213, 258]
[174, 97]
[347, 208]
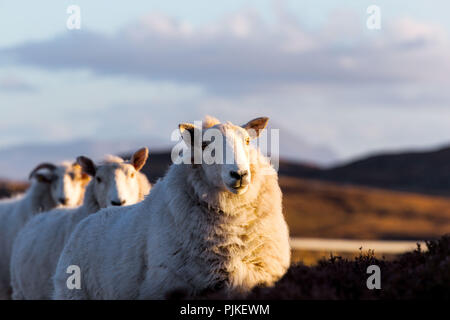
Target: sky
[313, 67]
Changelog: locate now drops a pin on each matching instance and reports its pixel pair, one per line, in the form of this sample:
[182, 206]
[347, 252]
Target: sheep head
[67, 183]
[115, 181]
[222, 150]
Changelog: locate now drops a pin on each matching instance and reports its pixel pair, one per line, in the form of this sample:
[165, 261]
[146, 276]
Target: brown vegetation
[327, 210]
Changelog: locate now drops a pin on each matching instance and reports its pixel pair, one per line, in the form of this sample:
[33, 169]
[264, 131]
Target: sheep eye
[132, 175]
[247, 141]
[99, 179]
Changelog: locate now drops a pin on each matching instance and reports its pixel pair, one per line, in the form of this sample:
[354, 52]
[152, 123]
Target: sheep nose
[118, 203]
[63, 201]
[238, 175]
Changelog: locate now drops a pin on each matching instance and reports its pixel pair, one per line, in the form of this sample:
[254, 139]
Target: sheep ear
[87, 165]
[256, 126]
[42, 178]
[139, 158]
[187, 132]
[85, 178]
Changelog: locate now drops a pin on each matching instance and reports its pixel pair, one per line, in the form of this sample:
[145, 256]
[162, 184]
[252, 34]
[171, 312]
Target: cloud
[13, 83]
[341, 85]
[243, 53]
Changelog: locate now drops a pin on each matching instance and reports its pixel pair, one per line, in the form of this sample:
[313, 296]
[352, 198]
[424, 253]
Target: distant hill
[156, 166]
[10, 189]
[424, 172]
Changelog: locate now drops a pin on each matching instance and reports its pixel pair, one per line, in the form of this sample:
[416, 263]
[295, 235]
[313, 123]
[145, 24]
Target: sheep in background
[203, 227]
[38, 245]
[51, 186]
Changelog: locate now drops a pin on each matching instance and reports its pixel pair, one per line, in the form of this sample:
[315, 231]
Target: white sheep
[51, 186]
[203, 227]
[38, 245]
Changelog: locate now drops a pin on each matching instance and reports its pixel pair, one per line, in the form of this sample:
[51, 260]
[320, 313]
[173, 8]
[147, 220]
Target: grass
[413, 275]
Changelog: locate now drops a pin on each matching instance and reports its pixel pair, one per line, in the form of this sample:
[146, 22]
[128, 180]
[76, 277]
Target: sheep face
[116, 185]
[68, 185]
[66, 182]
[224, 150]
[116, 182]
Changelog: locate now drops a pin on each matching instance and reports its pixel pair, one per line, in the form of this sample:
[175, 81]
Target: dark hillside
[425, 172]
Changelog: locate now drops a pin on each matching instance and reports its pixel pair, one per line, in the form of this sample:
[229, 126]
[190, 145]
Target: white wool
[109, 158]
[144, 185]
[210, 121]
[172, 240]
[40, 242]
[14, 213]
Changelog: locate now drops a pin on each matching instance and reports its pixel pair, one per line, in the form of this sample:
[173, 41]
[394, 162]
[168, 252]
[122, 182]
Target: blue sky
[137, 70]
